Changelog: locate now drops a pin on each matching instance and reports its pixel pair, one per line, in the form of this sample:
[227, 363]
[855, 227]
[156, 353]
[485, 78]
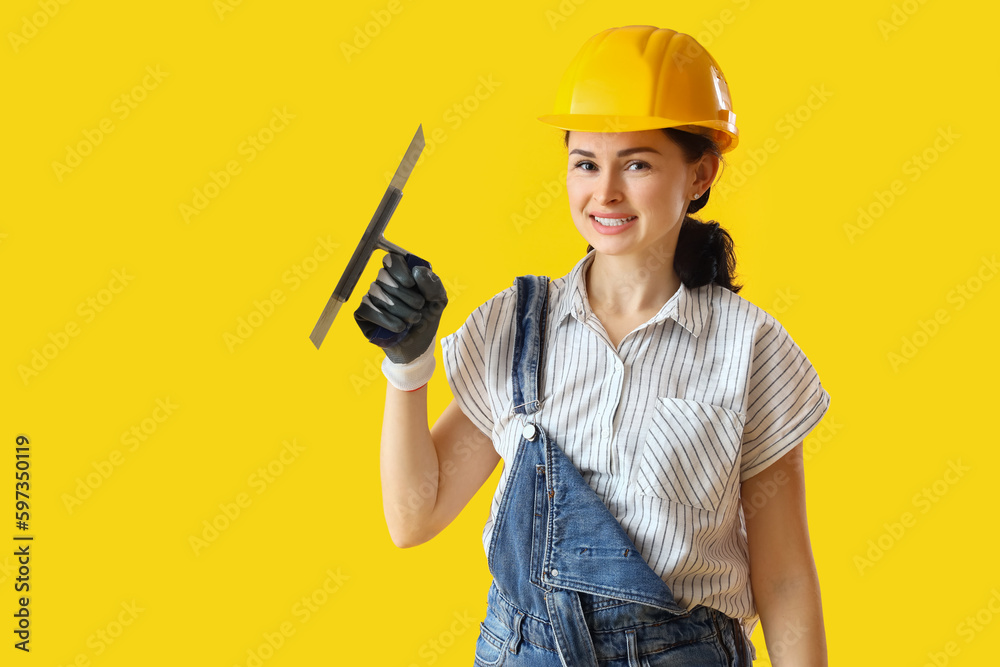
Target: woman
[651, 506]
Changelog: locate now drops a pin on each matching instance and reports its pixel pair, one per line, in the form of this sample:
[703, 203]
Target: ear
[705, 172]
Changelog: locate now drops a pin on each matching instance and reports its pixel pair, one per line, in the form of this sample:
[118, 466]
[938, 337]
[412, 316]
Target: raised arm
[428, 476]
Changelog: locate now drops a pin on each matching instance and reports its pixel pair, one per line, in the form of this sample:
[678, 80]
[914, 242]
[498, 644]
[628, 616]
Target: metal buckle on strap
[536, 404]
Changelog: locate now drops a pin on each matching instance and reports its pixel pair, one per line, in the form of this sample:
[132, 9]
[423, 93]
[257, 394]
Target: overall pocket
[690, 453]
[494, 638]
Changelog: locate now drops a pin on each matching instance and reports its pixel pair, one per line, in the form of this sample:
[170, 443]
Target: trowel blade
[325, 320]
[409, 159]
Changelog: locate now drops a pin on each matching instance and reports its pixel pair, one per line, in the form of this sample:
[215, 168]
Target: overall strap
[532, 306]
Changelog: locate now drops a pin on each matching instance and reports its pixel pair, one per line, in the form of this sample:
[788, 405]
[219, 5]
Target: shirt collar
[688, 307]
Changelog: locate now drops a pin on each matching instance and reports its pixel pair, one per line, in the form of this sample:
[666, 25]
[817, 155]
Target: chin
[610, 248]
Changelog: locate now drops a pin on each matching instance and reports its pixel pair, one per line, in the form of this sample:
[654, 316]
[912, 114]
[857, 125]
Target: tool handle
[384, 337]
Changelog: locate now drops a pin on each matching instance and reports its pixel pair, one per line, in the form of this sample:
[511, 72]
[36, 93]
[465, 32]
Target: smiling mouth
[613, 222]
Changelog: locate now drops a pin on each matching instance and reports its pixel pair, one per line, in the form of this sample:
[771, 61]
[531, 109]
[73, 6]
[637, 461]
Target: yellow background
[894, 78]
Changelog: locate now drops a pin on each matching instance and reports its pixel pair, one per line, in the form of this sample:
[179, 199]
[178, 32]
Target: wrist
[413, 375]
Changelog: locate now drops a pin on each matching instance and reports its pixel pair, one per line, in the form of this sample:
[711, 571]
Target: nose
[607, 189]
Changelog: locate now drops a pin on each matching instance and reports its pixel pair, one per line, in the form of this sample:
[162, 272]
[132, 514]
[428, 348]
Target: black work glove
[401, 298]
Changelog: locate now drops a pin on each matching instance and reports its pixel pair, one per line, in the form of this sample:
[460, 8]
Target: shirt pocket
[690, 452]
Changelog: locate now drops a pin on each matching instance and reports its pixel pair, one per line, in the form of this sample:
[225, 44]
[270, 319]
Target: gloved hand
[399, 298]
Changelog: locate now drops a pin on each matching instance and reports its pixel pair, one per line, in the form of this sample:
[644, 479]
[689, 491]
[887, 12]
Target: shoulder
[558, 289]
[502, 307]
[486, 321]
[757, 335]
[732, 312]
[495, 318]
[498, 308]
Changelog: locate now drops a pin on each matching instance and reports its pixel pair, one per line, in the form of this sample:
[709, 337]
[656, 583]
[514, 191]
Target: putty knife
[373, 238]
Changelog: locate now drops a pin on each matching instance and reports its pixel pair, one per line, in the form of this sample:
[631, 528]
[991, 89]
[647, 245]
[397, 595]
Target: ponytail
[705, 255]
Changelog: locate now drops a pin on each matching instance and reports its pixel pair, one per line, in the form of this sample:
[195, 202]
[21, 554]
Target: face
[628, 191]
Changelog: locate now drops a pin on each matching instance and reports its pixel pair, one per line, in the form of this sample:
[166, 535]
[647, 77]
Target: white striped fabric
[706, 394]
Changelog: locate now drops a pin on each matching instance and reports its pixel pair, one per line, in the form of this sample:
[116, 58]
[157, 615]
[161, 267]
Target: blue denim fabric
[569, 586]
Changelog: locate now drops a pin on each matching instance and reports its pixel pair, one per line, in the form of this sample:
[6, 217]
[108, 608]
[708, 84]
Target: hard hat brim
[725, 135]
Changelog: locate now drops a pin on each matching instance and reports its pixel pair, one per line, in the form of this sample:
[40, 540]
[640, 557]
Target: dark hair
[704, 251]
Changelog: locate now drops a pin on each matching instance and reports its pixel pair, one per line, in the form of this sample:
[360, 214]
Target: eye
[585, 165]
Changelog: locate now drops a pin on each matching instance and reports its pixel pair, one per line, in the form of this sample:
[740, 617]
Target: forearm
[791, 614]
[408, 464]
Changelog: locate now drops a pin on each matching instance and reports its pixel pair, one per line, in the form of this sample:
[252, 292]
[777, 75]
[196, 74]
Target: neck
[628, 285]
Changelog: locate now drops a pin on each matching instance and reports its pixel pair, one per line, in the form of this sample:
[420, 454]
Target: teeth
[614, 222]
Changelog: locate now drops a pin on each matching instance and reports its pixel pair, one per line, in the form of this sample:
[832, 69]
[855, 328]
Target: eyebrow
[621, 153]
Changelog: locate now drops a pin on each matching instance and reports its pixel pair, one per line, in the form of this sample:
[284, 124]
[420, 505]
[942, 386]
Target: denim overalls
[569, 587]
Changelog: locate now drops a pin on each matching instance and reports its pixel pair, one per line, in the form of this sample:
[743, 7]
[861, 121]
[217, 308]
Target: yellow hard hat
[640, 77]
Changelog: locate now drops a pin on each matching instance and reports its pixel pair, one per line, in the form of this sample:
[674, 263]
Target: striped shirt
[707, 393]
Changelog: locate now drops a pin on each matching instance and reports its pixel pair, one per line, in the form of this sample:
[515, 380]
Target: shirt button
[529, 432]
[554, 573]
